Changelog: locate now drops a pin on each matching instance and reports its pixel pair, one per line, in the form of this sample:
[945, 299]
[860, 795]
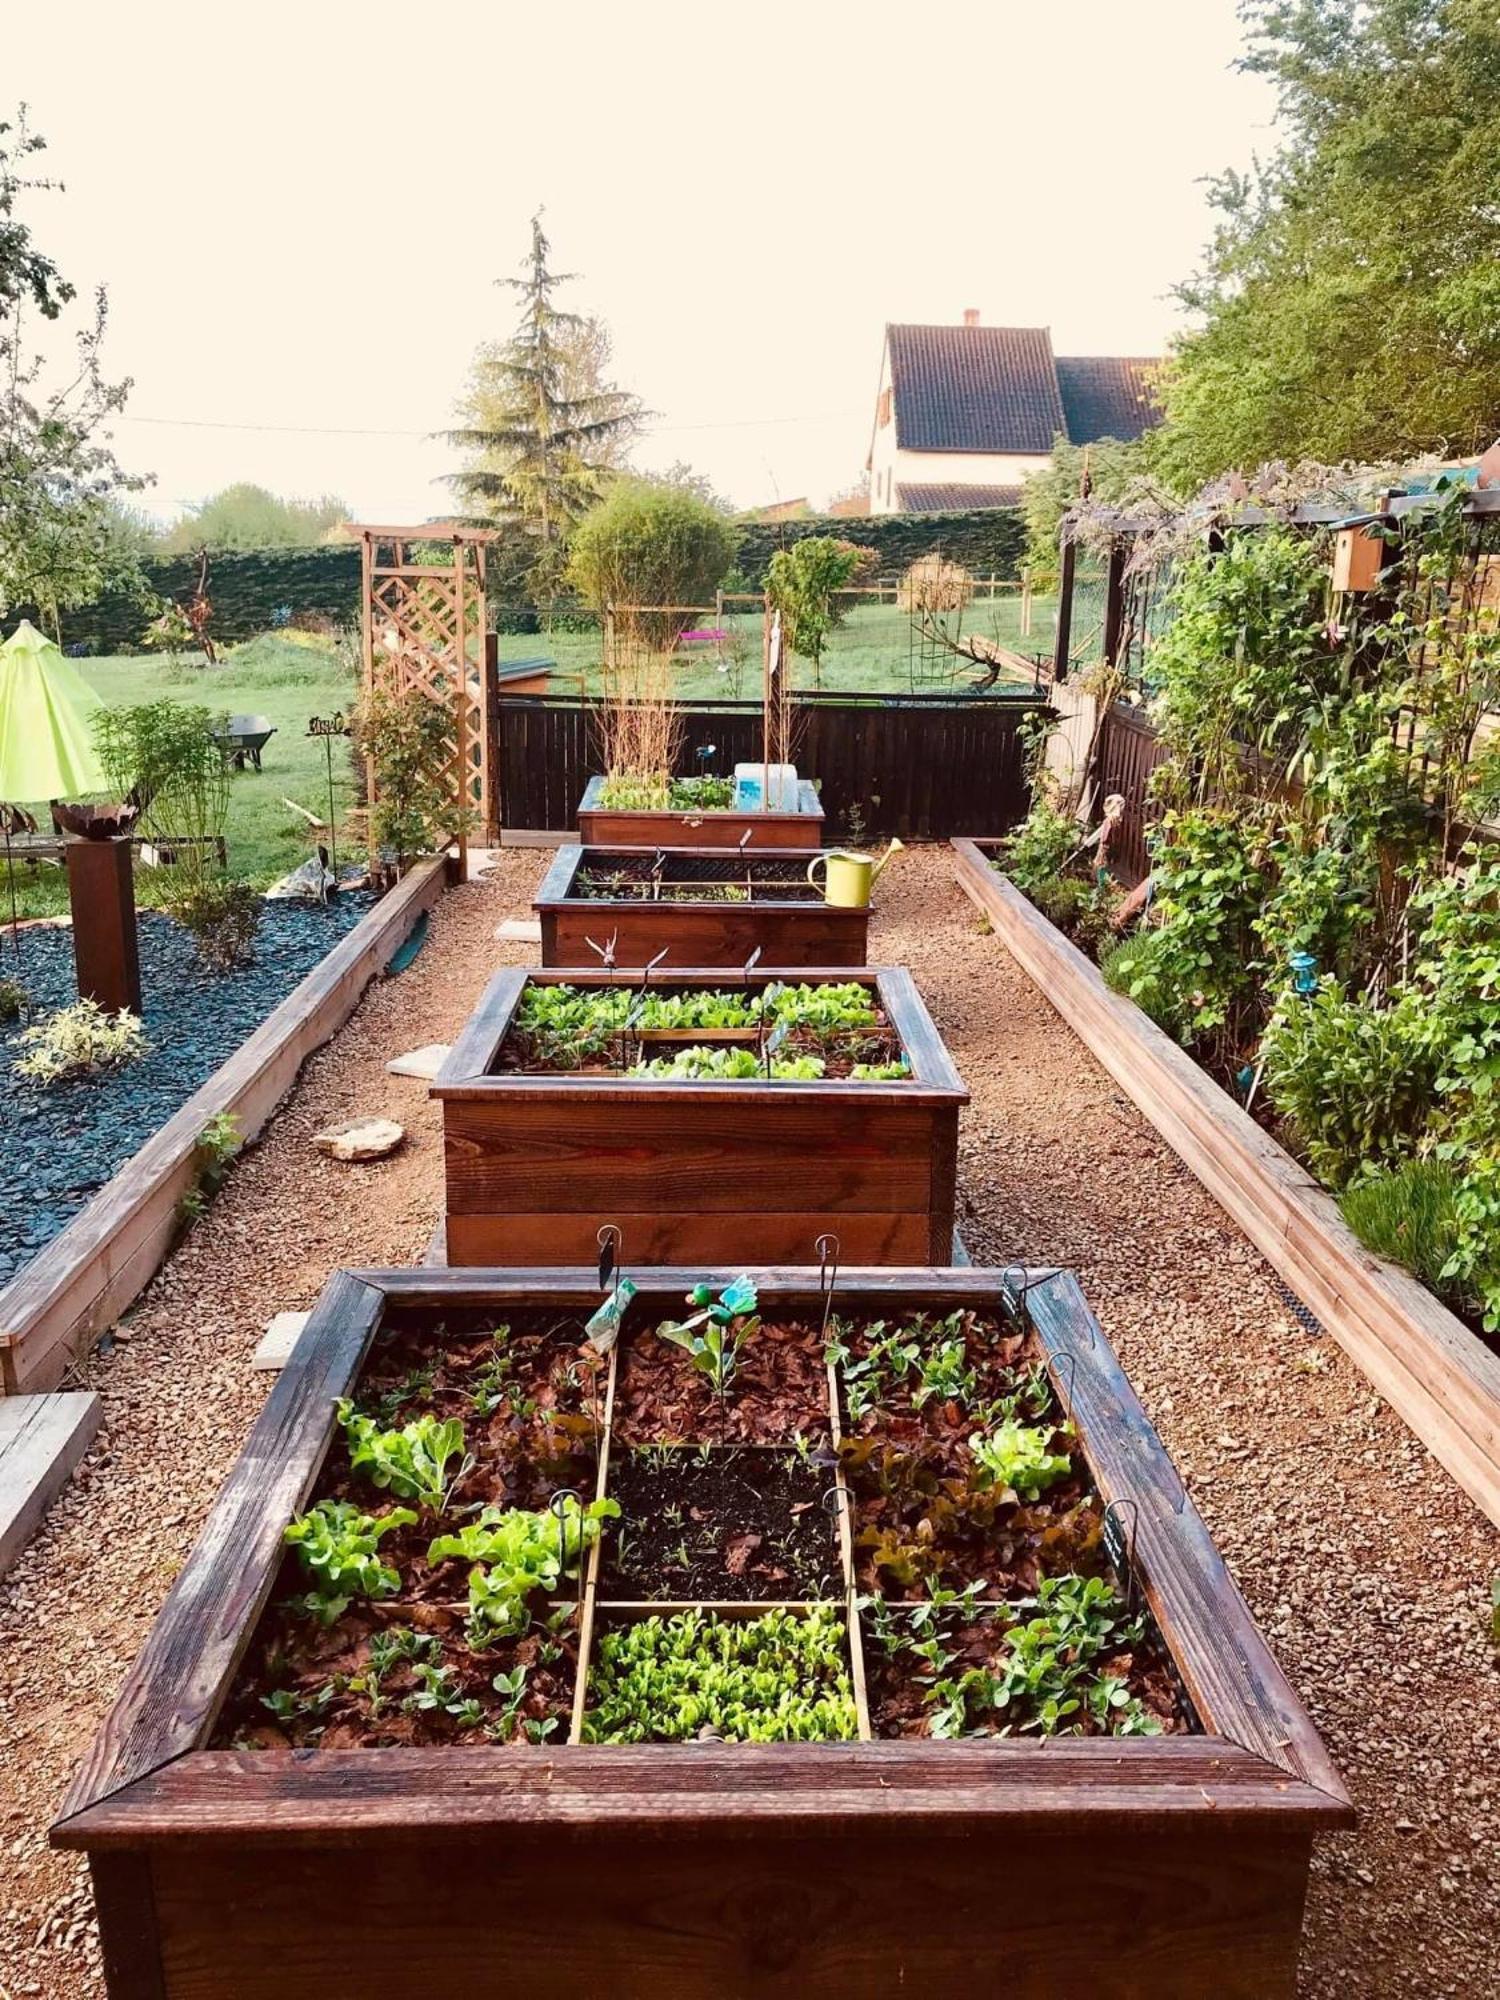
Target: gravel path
[1366, 1567]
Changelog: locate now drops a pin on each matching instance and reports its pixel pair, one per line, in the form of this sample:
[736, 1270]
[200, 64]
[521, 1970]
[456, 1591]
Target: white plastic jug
[765, 787]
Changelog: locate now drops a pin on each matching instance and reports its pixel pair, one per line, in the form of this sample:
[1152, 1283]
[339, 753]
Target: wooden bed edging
[1440, 1380]
[93, 1269]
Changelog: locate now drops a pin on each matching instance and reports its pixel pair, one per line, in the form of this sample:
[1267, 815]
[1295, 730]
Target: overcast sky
[299, 209]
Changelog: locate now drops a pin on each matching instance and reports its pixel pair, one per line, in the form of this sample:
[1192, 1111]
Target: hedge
[256, 589]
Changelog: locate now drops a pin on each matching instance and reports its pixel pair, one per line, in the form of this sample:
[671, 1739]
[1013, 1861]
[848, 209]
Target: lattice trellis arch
[423, 628]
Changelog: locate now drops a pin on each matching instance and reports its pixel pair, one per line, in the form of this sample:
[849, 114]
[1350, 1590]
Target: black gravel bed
[60, 1143]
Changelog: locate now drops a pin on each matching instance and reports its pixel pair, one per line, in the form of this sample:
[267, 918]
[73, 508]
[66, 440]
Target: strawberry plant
[337, 1545]
[411, 1462]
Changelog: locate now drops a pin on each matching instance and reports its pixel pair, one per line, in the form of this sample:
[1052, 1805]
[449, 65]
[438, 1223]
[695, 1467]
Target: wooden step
[42, 1438]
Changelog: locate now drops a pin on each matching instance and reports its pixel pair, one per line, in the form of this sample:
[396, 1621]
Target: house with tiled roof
[964, 413]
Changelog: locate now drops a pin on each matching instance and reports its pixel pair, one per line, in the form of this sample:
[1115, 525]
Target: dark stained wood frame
[604, 826]
[712, 1170]
[787, 932]
[1436, 1375]
[1175, 1866]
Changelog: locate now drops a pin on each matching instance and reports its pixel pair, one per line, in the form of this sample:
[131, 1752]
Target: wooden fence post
[1064, 638]
[1114, 601]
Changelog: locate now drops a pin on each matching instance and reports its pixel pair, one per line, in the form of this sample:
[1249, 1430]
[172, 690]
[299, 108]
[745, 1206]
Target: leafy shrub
[1141, 968]
[1039, 849]
[646, 544]
[1410, 1215]
[1353, 1079]
[221, 915]
[1209, 866]
[13, 999]
[1081, 910]
[170, 757]
[405, 738]
[81, 1040]
[800, 584]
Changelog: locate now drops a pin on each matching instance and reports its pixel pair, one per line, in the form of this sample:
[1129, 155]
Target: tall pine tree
[544, 428]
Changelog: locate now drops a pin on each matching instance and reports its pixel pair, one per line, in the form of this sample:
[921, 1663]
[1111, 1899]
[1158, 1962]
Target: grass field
[870, 653]
[269, 676]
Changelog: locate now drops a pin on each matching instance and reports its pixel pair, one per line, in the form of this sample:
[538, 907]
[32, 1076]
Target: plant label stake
[1120, 1549]
[328, 727]
[603, 1325]
[827, 1247]
[558, 1507]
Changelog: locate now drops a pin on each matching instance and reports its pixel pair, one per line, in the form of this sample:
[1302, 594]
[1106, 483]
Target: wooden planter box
[1438, 1377]
[785, 920]
[601, 826]
[712, 1170]
[1173, 1866]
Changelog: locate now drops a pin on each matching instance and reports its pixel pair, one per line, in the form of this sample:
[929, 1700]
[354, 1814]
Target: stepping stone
[278, 1340]
[365, 1139]
[521, 930]
[424, 1062]
[42, 1438]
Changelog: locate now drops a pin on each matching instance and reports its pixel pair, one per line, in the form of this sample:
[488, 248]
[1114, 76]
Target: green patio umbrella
[46, 735]
[46, 722]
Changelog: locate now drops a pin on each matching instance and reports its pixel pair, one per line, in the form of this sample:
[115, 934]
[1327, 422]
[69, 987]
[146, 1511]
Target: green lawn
[269, 676]
[870, 653]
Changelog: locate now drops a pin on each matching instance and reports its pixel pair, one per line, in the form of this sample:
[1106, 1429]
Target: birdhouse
[1357, 556]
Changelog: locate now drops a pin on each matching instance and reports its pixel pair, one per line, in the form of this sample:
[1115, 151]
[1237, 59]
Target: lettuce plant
[779, 1678]
[337, 1545]
[411, 1462]
[1015, 1456]
[517, 1552]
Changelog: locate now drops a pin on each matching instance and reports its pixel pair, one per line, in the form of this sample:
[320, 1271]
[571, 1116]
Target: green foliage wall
[987, 540]
[249, 588]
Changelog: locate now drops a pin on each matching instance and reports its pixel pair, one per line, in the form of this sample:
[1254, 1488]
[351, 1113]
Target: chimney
[971, 315]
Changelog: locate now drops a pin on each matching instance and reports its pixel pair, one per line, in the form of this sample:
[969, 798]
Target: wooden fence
[1129, 751]
[922, 767]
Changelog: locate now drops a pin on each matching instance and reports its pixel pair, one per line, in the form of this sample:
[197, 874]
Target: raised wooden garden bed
[302, 1786]
[94, 1268]
[605, 826]
[698, 906]
[550, 1131]
[1442, 1381]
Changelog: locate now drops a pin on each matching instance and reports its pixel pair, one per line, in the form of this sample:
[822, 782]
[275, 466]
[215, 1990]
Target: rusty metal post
[101, 890]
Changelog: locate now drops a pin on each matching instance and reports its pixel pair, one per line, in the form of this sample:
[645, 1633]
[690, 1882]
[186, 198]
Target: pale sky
[299, 209]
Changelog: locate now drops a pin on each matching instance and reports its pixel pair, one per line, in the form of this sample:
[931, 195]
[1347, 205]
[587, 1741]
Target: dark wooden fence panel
[924, 767]
[1129, 751]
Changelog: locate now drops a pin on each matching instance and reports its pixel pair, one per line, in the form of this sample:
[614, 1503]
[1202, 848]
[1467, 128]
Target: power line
[363, 430]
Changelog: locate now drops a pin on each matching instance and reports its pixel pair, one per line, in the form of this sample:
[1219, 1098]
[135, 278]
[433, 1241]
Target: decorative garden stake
[827, 1247]
[1121, 1551]
[328, 727]
[1304, 967]
[557, 1506]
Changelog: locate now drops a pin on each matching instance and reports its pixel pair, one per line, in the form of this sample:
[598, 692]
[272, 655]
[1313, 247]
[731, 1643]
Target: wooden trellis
[423, 628]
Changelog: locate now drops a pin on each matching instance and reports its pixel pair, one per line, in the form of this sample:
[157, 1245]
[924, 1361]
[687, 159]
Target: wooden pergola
[423, 628]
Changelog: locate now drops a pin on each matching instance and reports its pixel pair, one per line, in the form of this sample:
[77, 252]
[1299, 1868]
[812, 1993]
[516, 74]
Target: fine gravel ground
[1366, 1567]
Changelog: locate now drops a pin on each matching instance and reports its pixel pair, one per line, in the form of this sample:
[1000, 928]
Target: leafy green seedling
[1016, 1457]
[411, 1462]
[337, 1545]
[713, 1336]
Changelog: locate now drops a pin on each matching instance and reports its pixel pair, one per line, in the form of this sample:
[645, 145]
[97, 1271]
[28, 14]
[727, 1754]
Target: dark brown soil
[780, 1388]
[720, 1526]
[899, 1696]
[317, 1663]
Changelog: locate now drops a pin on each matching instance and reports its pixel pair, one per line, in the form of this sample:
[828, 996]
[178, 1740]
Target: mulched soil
[1367, 1569]
[780, 1388]
[723, 1526]
[59, 1143]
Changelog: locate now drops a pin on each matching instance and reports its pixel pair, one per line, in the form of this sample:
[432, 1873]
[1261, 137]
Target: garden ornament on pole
[47, 752]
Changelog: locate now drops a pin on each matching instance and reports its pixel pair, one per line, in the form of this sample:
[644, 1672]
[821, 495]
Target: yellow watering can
[848, 877]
